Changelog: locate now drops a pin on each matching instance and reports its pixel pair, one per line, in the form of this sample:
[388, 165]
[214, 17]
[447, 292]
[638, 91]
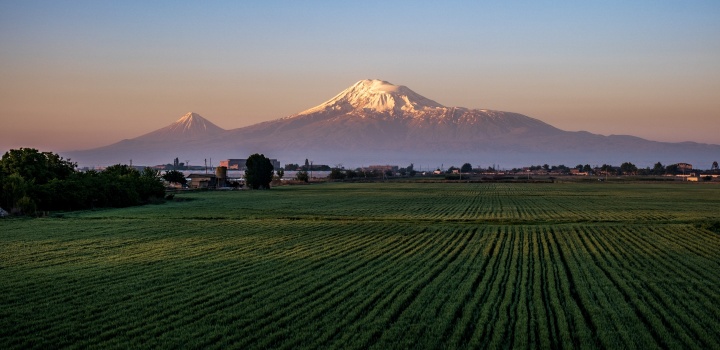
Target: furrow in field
[465, 314]
[405, 316]
[661, 301]
[425, 272]
[507, 311]
[651, 325]
[499, 294]
[547, 324]
[557, 300]
[608, 316]
[292, 301]
[445, 301]
[338, 297]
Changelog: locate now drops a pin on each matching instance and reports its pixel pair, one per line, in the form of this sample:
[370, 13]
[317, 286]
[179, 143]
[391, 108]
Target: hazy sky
[81, 74]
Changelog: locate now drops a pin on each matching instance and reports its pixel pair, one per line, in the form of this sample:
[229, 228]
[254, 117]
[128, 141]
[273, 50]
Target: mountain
[184, 138]
[374, 121]
[191, 126]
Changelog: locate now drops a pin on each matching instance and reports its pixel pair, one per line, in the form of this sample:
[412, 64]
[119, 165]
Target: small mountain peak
[189, 126]
[190, 116]
[378, 96]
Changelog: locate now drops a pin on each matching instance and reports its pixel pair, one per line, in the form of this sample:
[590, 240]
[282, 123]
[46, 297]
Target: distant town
[230, 172]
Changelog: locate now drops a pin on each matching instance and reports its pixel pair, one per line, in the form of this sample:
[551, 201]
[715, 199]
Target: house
[202, 180]
[240, 164]
[684, 166]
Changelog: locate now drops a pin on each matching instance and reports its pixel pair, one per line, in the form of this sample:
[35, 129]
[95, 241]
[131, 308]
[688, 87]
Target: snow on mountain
[375, 96]
[375, 110]
[191, 126]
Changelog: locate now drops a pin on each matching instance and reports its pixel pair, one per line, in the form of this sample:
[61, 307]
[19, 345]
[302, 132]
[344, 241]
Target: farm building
[202, 180]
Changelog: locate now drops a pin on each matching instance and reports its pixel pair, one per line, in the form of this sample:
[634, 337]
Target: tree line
[32, 181]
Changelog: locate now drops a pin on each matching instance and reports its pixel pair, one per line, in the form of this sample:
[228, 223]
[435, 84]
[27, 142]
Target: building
[384, 168]
[240, 164]
[234, 164]
[202, 180]
[684, 166]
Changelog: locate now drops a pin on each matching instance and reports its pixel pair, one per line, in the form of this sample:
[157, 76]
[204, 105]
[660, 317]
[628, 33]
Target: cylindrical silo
[221, 175]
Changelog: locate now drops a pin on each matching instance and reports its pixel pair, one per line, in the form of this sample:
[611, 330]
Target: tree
[12, 189]
[466, 168]
[658, 169]
[628, 168]
[672, 169]
[175, 177]
[259, 172]
[336, 174]
[302, 176]
[607, 169]
[280, 173]
[714, 166]
[35, 166]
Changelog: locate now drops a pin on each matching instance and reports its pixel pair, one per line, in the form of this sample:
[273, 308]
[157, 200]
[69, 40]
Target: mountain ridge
[376, 121]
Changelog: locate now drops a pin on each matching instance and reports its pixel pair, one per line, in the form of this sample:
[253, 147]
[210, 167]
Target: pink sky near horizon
[80, 75]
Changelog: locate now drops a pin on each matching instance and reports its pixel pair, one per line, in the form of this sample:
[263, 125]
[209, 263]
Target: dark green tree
[302, 176]
[336, 174]
[628, 168]
[672, 169]
[259, 172]
[33, 165]
[175, 176]
[280, 173]
[658, 169]
[466, 168]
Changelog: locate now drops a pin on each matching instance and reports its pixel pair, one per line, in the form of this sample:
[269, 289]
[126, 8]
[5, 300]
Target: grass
[373, 265]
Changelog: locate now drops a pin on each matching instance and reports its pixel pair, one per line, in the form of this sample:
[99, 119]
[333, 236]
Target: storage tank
[221, 176]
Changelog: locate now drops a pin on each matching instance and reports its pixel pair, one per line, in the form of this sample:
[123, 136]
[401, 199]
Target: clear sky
[81, 74]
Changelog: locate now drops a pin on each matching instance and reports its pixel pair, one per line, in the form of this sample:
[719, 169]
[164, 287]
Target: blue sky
[80, 74]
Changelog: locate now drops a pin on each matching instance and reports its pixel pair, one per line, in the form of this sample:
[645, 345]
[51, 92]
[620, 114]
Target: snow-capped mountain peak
[193, 121]
[189, 126]
[376, 96]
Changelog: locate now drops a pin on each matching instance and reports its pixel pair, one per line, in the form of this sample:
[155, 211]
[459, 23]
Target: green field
[379, 265]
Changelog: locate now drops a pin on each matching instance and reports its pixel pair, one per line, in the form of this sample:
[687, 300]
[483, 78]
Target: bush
[302, 176]
[26, 206]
